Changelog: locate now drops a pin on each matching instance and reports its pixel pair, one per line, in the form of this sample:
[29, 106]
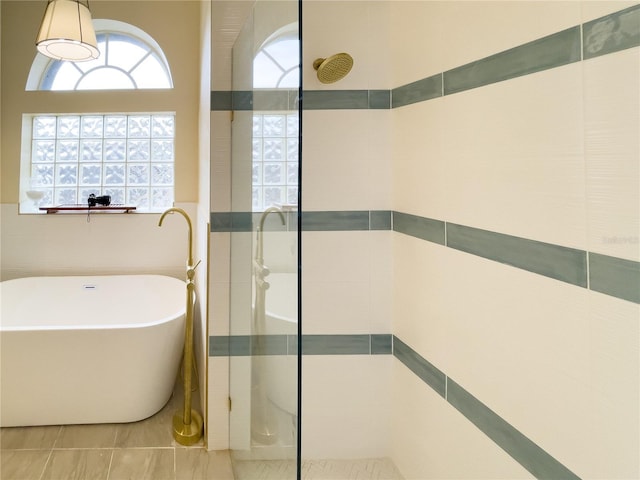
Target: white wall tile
[356, 27]
[542, 354]
[346, 406]
[432, 37]
[614, 396]
[612, 126]
[507, 157]
[335, 256]
[431, 439]
[61, 244]
[335, 307]
[342, 154]
[220, 172]
[218, 404]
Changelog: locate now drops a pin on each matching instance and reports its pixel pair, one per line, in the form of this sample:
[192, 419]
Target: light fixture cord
[79, 20]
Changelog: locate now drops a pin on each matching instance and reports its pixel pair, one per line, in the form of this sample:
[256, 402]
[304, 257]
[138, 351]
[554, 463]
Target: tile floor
[132, 451]
[146, 450]
[359, 469]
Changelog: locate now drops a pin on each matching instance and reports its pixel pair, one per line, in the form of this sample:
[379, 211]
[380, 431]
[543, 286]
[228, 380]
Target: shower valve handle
[191, 270]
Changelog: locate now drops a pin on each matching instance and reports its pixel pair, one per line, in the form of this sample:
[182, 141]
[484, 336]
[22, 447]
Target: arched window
[129, 59]
[276, 65]
[127, 155]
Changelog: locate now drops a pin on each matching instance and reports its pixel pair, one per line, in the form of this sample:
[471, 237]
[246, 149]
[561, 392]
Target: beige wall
[110, 243]
[62, 245]
[173, 24]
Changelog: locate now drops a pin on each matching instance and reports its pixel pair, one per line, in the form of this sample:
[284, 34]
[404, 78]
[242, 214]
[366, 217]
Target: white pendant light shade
[67, 31]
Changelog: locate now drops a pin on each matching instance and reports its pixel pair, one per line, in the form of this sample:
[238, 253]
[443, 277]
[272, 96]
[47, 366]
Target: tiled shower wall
[537, 143]
[480, 211]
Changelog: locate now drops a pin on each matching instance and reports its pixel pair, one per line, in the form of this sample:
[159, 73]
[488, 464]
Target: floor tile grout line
[110, 464]
[58, 435]
[46, 464]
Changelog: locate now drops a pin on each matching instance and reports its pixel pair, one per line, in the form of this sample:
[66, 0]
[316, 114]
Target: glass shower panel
[264, 245]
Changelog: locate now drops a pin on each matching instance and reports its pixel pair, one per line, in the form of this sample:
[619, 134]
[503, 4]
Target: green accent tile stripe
[221, 100]
[426, 371]
[345, 220]
[335, 99]
[242, 100]
[246, 345]
[379, 99]
[608, 34]
[612, 33]
[231, 221]
[335, 221]
[533, 458]
[229, 345]
[381, 344]
[548, 52]
[615, 276]
[418, 91]
[336, 345]
[271, 100]
[554, 261]
[419, 227]
[269, 345]
[292, 344]
[380, 220]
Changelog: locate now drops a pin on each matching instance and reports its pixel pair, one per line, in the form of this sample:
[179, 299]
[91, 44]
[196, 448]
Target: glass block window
[275, 134]
[275, 159]
[127, 156]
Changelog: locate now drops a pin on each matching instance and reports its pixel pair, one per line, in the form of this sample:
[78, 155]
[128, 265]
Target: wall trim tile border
[554, 261]
[605, 274]
[519, 447]
[609, 34]
[614, 276]
[247, 345]
[339, 220]
[528, 454]
[544, 53]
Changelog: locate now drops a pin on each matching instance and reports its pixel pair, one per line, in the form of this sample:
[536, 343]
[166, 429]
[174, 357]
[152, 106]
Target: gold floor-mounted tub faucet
[187, 425]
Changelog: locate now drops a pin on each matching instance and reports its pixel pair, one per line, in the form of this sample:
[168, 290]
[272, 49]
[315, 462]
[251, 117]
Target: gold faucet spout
[186, 217]
[263, 217]
[187, 425]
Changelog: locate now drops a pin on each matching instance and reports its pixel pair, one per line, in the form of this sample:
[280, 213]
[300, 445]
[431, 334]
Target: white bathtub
[88, 349]
[281, 318]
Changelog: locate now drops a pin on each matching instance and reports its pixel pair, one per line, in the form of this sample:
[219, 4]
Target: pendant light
[67, 31]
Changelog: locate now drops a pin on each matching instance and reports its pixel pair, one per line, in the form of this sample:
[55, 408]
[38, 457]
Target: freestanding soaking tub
[281, 318]
[88, 349]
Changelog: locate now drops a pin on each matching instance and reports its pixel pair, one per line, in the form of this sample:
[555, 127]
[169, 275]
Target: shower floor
[361, 469]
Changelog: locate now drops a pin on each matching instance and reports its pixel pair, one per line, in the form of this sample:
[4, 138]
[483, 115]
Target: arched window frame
[129, 156]
[287, 64]
[44, 69]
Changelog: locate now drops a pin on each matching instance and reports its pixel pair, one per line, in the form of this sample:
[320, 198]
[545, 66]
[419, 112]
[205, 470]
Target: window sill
[84, 208]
